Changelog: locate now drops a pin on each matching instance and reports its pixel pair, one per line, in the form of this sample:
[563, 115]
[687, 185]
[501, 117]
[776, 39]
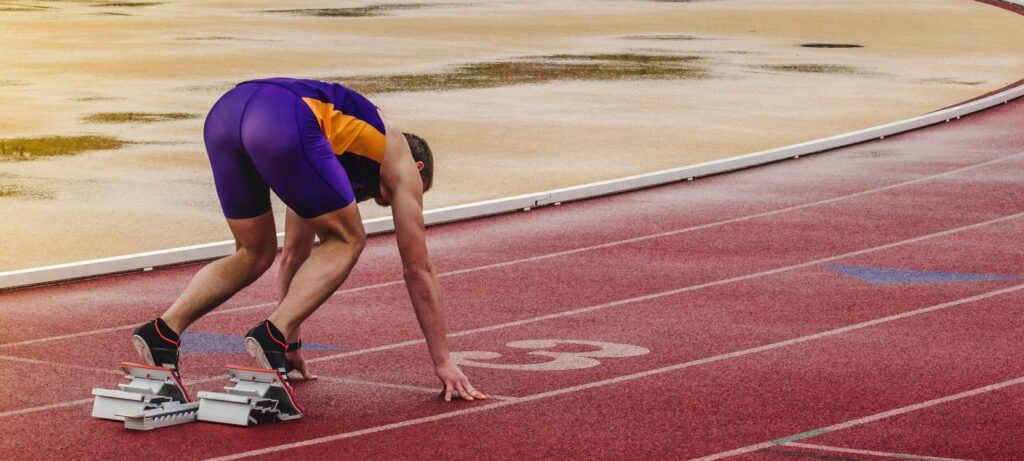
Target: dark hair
[421, 153]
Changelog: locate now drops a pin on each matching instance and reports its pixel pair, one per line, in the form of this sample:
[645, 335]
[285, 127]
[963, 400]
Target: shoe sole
[143, 349]
[253, 348]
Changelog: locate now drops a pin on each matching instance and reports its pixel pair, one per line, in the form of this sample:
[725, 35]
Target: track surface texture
[858, 304]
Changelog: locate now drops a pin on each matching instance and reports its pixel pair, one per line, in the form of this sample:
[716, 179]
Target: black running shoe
[157, 344]
[267, 345]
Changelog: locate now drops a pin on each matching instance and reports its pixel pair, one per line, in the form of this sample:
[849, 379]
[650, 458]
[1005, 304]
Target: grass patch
[598, 67]
[17, 191]
[353, 12]
[13, 83]
[137, 117]
[813, 68]
[124, 4]
[16, 149]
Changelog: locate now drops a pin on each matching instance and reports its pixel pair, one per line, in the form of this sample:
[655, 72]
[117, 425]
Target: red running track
[859, 304]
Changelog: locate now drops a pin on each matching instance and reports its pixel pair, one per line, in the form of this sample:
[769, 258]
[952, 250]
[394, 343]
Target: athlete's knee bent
[293, 255]
[258, 258]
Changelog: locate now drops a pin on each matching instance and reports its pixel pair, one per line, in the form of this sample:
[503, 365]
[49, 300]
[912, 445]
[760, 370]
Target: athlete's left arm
[402, 180]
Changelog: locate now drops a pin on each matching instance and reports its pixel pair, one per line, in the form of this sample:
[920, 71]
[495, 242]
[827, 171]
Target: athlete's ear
[419, 166]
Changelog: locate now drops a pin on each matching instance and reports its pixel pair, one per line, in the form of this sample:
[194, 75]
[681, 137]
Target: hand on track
[298, 363]
[455, 383]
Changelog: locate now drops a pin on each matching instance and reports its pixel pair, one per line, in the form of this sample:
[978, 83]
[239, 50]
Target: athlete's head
[423, 157]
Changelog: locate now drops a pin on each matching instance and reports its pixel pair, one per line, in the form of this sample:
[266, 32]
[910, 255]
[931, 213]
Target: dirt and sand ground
[514, 97]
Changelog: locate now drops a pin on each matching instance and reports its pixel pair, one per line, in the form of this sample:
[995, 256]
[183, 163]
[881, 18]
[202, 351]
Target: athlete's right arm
[400, 176]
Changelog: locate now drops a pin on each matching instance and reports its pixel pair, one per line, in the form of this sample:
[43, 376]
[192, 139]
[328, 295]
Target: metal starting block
[258, 396]
[154, 398]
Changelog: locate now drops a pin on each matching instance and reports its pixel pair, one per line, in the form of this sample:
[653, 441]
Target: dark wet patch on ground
[354, 12]
[137, 117]
[124, 4]
[13, 83]
[19, 149]
[541, 69]
[830, 45]
[663, 37]
[15, 9]
[814, 69]
[949, 81]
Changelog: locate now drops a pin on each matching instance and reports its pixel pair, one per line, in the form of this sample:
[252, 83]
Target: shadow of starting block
[258, 396]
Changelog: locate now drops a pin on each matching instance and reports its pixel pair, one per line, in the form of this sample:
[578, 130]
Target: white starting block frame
[258, 396]
[154, 398]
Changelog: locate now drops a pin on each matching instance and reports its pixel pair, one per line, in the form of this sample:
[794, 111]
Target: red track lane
[749, 334]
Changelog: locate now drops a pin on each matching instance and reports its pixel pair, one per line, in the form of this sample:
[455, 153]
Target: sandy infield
[748, 85]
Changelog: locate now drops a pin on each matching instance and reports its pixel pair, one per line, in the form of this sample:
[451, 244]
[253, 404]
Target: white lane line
[672, 292]
[556, 254]
[670, 368]
[190, 383]
[123, 327]
[54, 406]
[864, 420]
[650, 296]
[404, 387]
[884, 454]
[60, 365]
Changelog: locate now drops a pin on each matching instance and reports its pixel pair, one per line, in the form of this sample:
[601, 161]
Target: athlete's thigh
[241, 190]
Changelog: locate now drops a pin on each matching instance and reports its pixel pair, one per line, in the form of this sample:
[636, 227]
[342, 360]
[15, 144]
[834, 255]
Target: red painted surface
[689, 271]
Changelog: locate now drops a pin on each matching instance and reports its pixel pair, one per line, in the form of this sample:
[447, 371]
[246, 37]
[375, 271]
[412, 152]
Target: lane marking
[680, 366]
[61, 365]
[361, 382]
[404, 387]
[648, 297]
[555, 254]
[884, 454]
[73, 403]
[864, 420]
[560, 361]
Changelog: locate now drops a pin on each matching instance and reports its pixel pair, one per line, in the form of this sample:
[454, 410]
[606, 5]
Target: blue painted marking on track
[200, 342]
[893, 276]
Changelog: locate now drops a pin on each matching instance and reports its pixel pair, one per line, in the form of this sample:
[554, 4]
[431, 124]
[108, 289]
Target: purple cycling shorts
[262, 137]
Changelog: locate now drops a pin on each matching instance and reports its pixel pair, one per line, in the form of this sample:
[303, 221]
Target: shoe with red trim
[157, 344]
[267, 345]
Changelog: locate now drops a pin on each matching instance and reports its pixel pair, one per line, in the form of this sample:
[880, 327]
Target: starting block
[154, 398]
[258, 396]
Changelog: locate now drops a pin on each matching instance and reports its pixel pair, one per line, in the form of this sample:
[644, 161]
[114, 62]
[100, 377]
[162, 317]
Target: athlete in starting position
[321, 147]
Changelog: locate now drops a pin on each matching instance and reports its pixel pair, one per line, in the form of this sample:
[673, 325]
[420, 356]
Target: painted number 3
[559, 360]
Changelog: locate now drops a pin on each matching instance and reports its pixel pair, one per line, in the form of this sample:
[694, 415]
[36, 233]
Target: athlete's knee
[259, 257]
[354, 238]
[294, 254]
